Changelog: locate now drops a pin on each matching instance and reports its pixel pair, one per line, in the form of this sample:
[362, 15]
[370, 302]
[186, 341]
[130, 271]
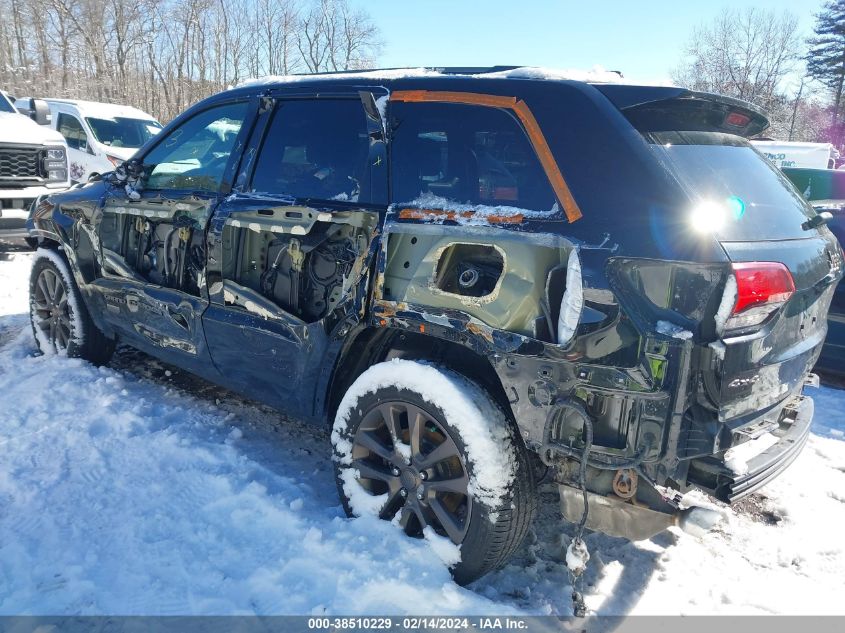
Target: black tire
[491, 528]
[59, 318]
[31, 242]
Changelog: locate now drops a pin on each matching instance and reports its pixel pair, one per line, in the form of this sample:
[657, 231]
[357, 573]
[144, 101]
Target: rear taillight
[760, 288]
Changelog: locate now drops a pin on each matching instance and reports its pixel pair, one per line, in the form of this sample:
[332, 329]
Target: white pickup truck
[33, 162]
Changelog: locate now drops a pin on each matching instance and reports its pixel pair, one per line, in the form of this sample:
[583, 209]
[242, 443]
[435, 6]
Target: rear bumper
[715, 477]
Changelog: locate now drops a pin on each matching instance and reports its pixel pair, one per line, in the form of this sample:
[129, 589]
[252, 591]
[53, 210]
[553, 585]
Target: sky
[644, 39]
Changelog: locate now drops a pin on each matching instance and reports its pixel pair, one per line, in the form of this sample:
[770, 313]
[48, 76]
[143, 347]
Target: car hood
[17, 128]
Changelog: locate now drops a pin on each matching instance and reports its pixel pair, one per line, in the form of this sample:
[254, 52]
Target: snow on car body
[618, 283]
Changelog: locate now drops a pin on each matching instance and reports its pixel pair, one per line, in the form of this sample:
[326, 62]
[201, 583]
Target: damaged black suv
[468, 273]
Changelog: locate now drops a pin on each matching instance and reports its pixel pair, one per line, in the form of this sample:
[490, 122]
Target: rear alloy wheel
[422, 470]
[59, 318]
[431, 451]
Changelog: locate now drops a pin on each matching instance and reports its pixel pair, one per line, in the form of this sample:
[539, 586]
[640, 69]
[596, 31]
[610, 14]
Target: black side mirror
[40, 112]
[817, 220]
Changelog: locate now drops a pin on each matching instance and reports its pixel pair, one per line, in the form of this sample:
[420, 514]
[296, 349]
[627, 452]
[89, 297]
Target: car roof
[420, 74]
[102, 110]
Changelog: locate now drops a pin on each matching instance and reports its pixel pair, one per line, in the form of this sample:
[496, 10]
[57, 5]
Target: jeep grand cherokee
[468, 273]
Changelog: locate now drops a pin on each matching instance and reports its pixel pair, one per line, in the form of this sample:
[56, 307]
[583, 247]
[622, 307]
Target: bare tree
[163, 55]
[754, 55]
[744, 54]
[333, 36]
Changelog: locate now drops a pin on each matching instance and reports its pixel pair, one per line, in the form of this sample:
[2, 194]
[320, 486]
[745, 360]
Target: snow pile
[469, 214]
[482, 426]
[596, 75]
[675, 331]
[122, 493]
[737, 458]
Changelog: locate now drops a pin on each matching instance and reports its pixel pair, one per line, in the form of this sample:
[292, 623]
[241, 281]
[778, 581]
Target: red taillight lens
[761, 283]
[760, 288]
[737, 119]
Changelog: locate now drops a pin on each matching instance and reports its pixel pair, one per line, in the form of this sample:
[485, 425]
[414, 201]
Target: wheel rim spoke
[454, 484]
[51, 284]
[416, 424]
[59, 295]
[395, 502]
[42, 286]
[420, 514]
[390, 415]
[374, 445]
[447, 520]
[405, 518]
[370, 471]
[444, 450]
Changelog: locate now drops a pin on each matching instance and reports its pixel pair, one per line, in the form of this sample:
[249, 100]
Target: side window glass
[70, 127]
[316, 149]
[465, 154]
[194, 155]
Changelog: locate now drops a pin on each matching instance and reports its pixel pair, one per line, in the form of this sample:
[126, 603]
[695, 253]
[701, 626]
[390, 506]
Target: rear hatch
[771, 321]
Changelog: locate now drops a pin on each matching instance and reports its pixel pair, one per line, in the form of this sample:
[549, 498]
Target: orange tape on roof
[525, 116]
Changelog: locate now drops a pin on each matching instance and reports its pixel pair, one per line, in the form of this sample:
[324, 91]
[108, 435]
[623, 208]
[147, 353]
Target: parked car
[825, 190]
[470, 275]
[99, 136]
[33, 162]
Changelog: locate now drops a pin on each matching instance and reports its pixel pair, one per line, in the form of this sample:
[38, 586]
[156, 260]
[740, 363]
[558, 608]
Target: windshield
[738, 194]
[5, 106]
[123, 132]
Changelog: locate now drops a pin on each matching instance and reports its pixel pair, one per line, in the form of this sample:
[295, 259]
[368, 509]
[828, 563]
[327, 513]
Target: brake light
[737, 119]
[761, 282]
[760, 289]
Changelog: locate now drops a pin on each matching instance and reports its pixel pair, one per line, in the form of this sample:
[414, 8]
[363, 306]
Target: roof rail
[445, 70]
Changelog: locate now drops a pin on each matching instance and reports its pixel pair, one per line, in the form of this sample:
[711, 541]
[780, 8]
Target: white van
[99, 136]
[798, 154]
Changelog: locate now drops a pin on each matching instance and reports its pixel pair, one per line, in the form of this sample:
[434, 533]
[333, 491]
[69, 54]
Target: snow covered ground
[138, 489]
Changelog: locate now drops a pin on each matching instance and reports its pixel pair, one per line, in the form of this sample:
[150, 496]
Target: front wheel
[430, 450]
[59, 318]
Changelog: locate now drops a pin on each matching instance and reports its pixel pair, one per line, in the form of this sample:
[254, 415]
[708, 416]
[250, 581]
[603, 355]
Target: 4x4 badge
[835, 260]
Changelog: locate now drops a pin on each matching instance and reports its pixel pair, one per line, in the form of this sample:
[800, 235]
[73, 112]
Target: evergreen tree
[826, 57]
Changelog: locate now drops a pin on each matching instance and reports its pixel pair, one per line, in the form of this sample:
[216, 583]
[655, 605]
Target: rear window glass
[737, 193]
[466, 154]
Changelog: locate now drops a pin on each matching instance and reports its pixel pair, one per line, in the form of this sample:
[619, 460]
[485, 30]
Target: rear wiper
[816, 221]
